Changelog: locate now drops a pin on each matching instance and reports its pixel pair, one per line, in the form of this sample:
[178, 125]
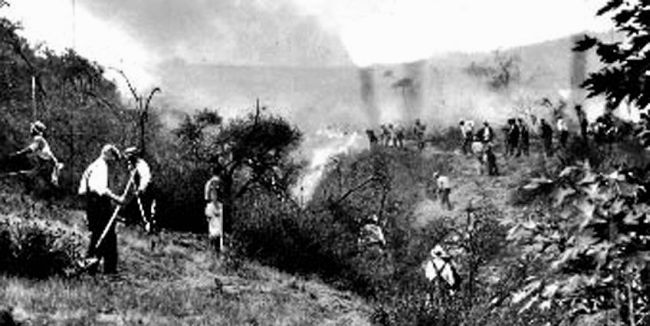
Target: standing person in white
[443, 188]
[214, 213]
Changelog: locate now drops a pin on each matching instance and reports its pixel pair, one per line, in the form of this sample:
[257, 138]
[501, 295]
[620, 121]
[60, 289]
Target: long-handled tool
[147, 223]
[115, 211]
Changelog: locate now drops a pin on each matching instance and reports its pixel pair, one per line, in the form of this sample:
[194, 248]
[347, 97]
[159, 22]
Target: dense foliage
[626, 71]
[37, 249]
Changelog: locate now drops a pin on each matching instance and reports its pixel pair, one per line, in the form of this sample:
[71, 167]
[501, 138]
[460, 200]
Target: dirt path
[470, 187]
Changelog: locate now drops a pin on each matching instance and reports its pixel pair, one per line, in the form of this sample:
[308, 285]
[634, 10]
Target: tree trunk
[228, 202]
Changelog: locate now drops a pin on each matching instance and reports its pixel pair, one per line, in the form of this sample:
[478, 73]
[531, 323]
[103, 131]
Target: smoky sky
[234, 32]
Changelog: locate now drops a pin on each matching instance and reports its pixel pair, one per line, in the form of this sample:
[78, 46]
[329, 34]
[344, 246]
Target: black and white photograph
[325, 162]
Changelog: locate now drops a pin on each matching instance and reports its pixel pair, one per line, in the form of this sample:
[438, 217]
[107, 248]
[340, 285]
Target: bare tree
[142, 108]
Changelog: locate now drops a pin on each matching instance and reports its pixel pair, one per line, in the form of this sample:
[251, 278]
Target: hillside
[178, 282]
[314, 96]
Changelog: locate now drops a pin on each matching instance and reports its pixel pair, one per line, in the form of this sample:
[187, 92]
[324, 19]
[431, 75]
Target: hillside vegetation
[167, 279]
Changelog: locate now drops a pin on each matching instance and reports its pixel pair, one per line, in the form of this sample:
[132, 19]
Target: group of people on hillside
[480, 144]
[393, 135]
[137, 202]
[101, 216]
[517, 138]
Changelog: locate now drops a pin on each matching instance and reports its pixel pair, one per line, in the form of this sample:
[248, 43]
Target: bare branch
[128, 83]
[151, 94]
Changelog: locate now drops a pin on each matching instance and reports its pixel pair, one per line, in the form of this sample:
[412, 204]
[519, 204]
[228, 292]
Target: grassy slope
[468, 186]
[178, 282]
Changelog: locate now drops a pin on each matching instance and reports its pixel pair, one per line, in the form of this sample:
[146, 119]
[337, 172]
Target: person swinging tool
[144, 199]
[45, 164]
[98, 195]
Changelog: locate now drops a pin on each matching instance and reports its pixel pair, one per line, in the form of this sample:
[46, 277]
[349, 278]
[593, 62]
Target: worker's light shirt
[437, 267]
[372, 233]
[214, 214]
[211, 187]
[95, 178]
[466, 130]
[443, 182]
[144, 172]
[41, 148]
[561, 125]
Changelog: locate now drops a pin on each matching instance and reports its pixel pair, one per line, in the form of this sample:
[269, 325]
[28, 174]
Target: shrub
[37, 249]
[322, 238]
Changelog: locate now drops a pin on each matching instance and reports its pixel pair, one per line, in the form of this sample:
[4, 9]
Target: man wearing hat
[144, 199]
[439, 266]
[214, 213]
[94, 186]
[443, 188]
[45, 163]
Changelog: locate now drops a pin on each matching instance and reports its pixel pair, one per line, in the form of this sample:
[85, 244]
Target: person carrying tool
[94, 186]
[144, 199]
[44, 162]
[214, 213]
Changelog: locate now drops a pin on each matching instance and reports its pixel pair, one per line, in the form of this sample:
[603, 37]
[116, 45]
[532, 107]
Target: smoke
[578, 72]
[232, 32]
[367, 79]
[324, 145]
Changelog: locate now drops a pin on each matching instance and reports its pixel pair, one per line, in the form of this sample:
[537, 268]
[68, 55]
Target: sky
[137, 36]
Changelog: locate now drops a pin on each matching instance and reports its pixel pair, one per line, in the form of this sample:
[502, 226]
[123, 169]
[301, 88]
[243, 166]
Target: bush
[322, 239]
[37, 249]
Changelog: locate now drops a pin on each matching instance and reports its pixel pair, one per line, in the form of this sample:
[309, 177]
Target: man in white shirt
[94, 186]
[443, 189]
[144, 199]
[440, 266]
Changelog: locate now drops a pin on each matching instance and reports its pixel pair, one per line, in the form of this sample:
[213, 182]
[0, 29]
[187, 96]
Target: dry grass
[179, 282]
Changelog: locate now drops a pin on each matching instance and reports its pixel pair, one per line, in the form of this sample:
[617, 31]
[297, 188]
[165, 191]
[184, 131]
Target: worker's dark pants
[99, 211]
[444, 198]
[524, 146]
[467, 145]
[548, 146]
[512, 146]
[564, 136]
[493, 170]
